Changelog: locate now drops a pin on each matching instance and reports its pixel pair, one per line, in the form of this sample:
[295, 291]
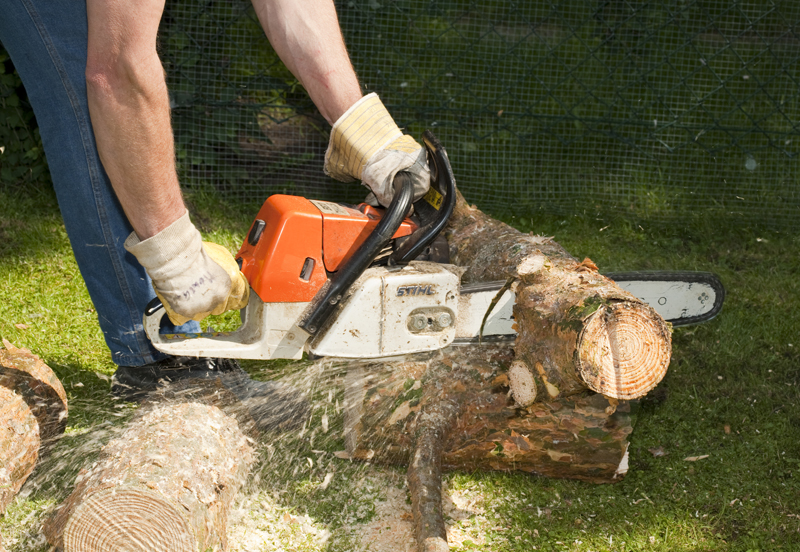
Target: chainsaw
[337, 280]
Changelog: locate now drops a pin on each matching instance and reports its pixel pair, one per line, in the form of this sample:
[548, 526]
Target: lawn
[730, 398]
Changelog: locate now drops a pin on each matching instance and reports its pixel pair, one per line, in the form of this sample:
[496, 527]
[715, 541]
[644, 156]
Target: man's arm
[365, 142]
[306, 36]
[129, 106]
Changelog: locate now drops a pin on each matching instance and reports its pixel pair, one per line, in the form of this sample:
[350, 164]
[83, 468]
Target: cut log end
[165, 483]
[522, 384]
[33, 415]
[129, 515]
[624, 350]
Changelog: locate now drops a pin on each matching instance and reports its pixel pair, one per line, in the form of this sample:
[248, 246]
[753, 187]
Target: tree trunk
[33, 415]
[576, 329]
[461, 395]
[166, 483]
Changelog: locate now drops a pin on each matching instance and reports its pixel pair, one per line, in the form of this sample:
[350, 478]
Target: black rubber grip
[443, 179]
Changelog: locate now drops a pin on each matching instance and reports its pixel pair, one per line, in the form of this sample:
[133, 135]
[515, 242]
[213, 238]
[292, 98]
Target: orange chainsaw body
[294, 243]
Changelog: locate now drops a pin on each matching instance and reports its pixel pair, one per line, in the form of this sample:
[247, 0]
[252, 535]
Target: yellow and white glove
[192, 278]
[367, 145]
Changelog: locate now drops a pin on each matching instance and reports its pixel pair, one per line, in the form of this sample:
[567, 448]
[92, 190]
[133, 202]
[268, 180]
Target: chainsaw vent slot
[308, 269]
[380, 259]
[255, 232]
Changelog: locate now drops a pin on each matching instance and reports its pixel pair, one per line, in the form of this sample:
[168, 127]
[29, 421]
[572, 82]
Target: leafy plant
[22, 158]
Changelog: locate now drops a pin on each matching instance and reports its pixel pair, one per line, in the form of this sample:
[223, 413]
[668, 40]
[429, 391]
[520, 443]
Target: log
[559, 403]
[576, 329]
[452, 411]
[165, 483]
[33, 415]
[461, 393]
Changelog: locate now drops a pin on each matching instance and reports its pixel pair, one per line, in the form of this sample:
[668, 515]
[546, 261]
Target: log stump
[33, 415]
[166, 483]
[576, 329]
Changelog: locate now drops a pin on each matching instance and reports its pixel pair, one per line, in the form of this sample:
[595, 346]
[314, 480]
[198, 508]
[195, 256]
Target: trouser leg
[47, 43]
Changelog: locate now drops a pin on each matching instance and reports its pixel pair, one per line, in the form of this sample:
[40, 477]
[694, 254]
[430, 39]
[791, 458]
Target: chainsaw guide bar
[680, 298]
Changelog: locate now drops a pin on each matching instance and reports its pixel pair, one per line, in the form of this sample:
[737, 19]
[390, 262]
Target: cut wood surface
[166, 483]
[33, 414]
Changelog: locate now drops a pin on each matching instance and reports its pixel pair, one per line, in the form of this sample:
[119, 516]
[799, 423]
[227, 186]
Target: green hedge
[22, 158]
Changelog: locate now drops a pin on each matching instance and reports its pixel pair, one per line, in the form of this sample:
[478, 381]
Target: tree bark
[166, 483]
[33, 415]
[461, 395]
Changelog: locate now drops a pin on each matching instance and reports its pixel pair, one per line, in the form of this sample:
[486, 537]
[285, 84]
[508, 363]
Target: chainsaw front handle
[324, 303]
[444, 184]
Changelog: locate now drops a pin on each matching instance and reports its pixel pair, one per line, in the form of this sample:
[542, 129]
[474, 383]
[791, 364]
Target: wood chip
[695, 458]
[501, 380]
[326, 481]
[658, 451]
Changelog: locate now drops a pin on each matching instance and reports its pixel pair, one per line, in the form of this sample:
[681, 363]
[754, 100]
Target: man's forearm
[306, 36]
[129, 103]
[129, 106]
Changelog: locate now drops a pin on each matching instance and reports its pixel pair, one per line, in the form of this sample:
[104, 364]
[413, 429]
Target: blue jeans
[47, 43]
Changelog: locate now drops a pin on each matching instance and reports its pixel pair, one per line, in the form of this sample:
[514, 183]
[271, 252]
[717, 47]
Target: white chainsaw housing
[415, 308]
[390, 311]
[394, 311]
[267, 332]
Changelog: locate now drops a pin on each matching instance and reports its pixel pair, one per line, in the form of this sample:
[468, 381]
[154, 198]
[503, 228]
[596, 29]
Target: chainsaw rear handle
[331, 293]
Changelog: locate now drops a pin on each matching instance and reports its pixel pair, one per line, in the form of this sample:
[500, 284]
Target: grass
[731, 393]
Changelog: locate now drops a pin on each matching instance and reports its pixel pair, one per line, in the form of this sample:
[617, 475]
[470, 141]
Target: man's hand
[192, 278]
[367, 145]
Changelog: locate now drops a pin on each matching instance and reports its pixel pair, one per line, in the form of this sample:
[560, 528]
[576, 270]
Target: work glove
[367, 145]
[192, 278]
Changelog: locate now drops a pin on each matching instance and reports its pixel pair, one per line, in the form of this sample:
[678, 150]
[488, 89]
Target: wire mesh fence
[652, 109]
